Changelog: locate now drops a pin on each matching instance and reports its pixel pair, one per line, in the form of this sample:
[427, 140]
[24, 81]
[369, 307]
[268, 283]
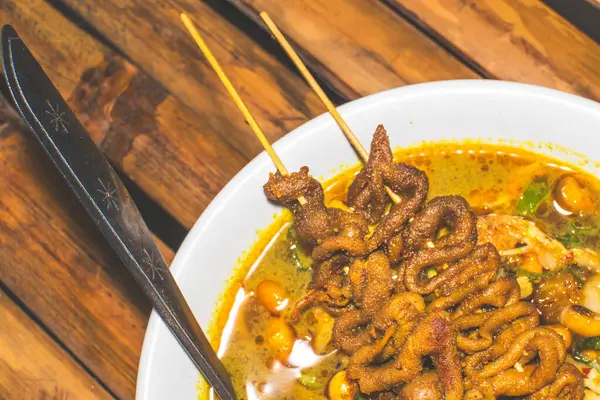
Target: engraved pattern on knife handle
[108, 195]
[57, 120]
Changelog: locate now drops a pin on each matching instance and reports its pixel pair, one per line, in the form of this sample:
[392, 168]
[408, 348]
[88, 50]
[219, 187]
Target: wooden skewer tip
[187, 22]
[312, 82]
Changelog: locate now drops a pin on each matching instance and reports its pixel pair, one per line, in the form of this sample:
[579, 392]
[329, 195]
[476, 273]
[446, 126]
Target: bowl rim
[463, 87]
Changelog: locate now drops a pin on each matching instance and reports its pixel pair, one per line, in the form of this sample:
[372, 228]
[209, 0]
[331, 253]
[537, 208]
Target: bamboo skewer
[321, 94]
[187, 22]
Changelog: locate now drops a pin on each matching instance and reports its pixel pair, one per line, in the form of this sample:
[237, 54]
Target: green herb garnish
[535, 276]
[586, 360]
[571, 269]
[592, 343]
[532, 197]
[576, 272]
[578, 230]
[309, 381]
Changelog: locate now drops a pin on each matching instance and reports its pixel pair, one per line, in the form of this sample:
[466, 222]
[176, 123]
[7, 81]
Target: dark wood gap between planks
[160, 222]
[404, 14]
[432, 35]
[337, 98]
[254, 28]
[80, 22]
[4, 92]
[584, 14]
[8, 293]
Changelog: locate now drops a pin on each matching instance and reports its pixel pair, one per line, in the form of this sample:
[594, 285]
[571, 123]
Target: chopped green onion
[577, 232]
[590, 343]
[535, 276]
[571, 269]
[586, 360]
[576, 272]
[309, 381]
[532, 197]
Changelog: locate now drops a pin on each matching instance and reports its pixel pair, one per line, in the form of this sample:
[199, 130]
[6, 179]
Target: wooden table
[71, 319]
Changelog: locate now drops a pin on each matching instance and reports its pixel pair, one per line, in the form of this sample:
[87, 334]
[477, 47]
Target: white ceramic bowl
[488, 110]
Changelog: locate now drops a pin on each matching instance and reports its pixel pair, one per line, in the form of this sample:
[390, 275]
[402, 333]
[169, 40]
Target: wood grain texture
[33, 366]
[517, 40]
[162, 146]
[150, 33]
[359, 46]
[57, 263]
[584, 14]
[176, 156]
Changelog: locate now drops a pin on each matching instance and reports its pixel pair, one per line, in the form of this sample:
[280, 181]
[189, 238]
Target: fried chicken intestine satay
[434, 336]
[313, 221]
[367, 194]
[335, 236]
[495, 375]
[425, 251]
[382, 321]
[567, 385]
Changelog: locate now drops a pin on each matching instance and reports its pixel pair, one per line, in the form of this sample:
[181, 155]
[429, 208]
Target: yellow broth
[492, 178]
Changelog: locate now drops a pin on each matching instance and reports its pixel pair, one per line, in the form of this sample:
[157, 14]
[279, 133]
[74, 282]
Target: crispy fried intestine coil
[387, 328]
[350, 331]
[313, 221]
[567, 385]
[329, 287]
[371, 282]
[371, 285]
[433, 335]
[450, 248]
[495, 373]
[490, 323]
[367, 193]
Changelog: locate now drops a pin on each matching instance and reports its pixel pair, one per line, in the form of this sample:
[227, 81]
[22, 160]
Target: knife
[102, 194]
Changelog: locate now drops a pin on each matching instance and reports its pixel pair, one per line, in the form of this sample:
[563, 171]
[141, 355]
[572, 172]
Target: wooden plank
[150, 33]
[33, 366]
[179, 158]
[584, 14]
[54, 264]
[359, 46]
[57, 263]
[161, 145]
[517, 40]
